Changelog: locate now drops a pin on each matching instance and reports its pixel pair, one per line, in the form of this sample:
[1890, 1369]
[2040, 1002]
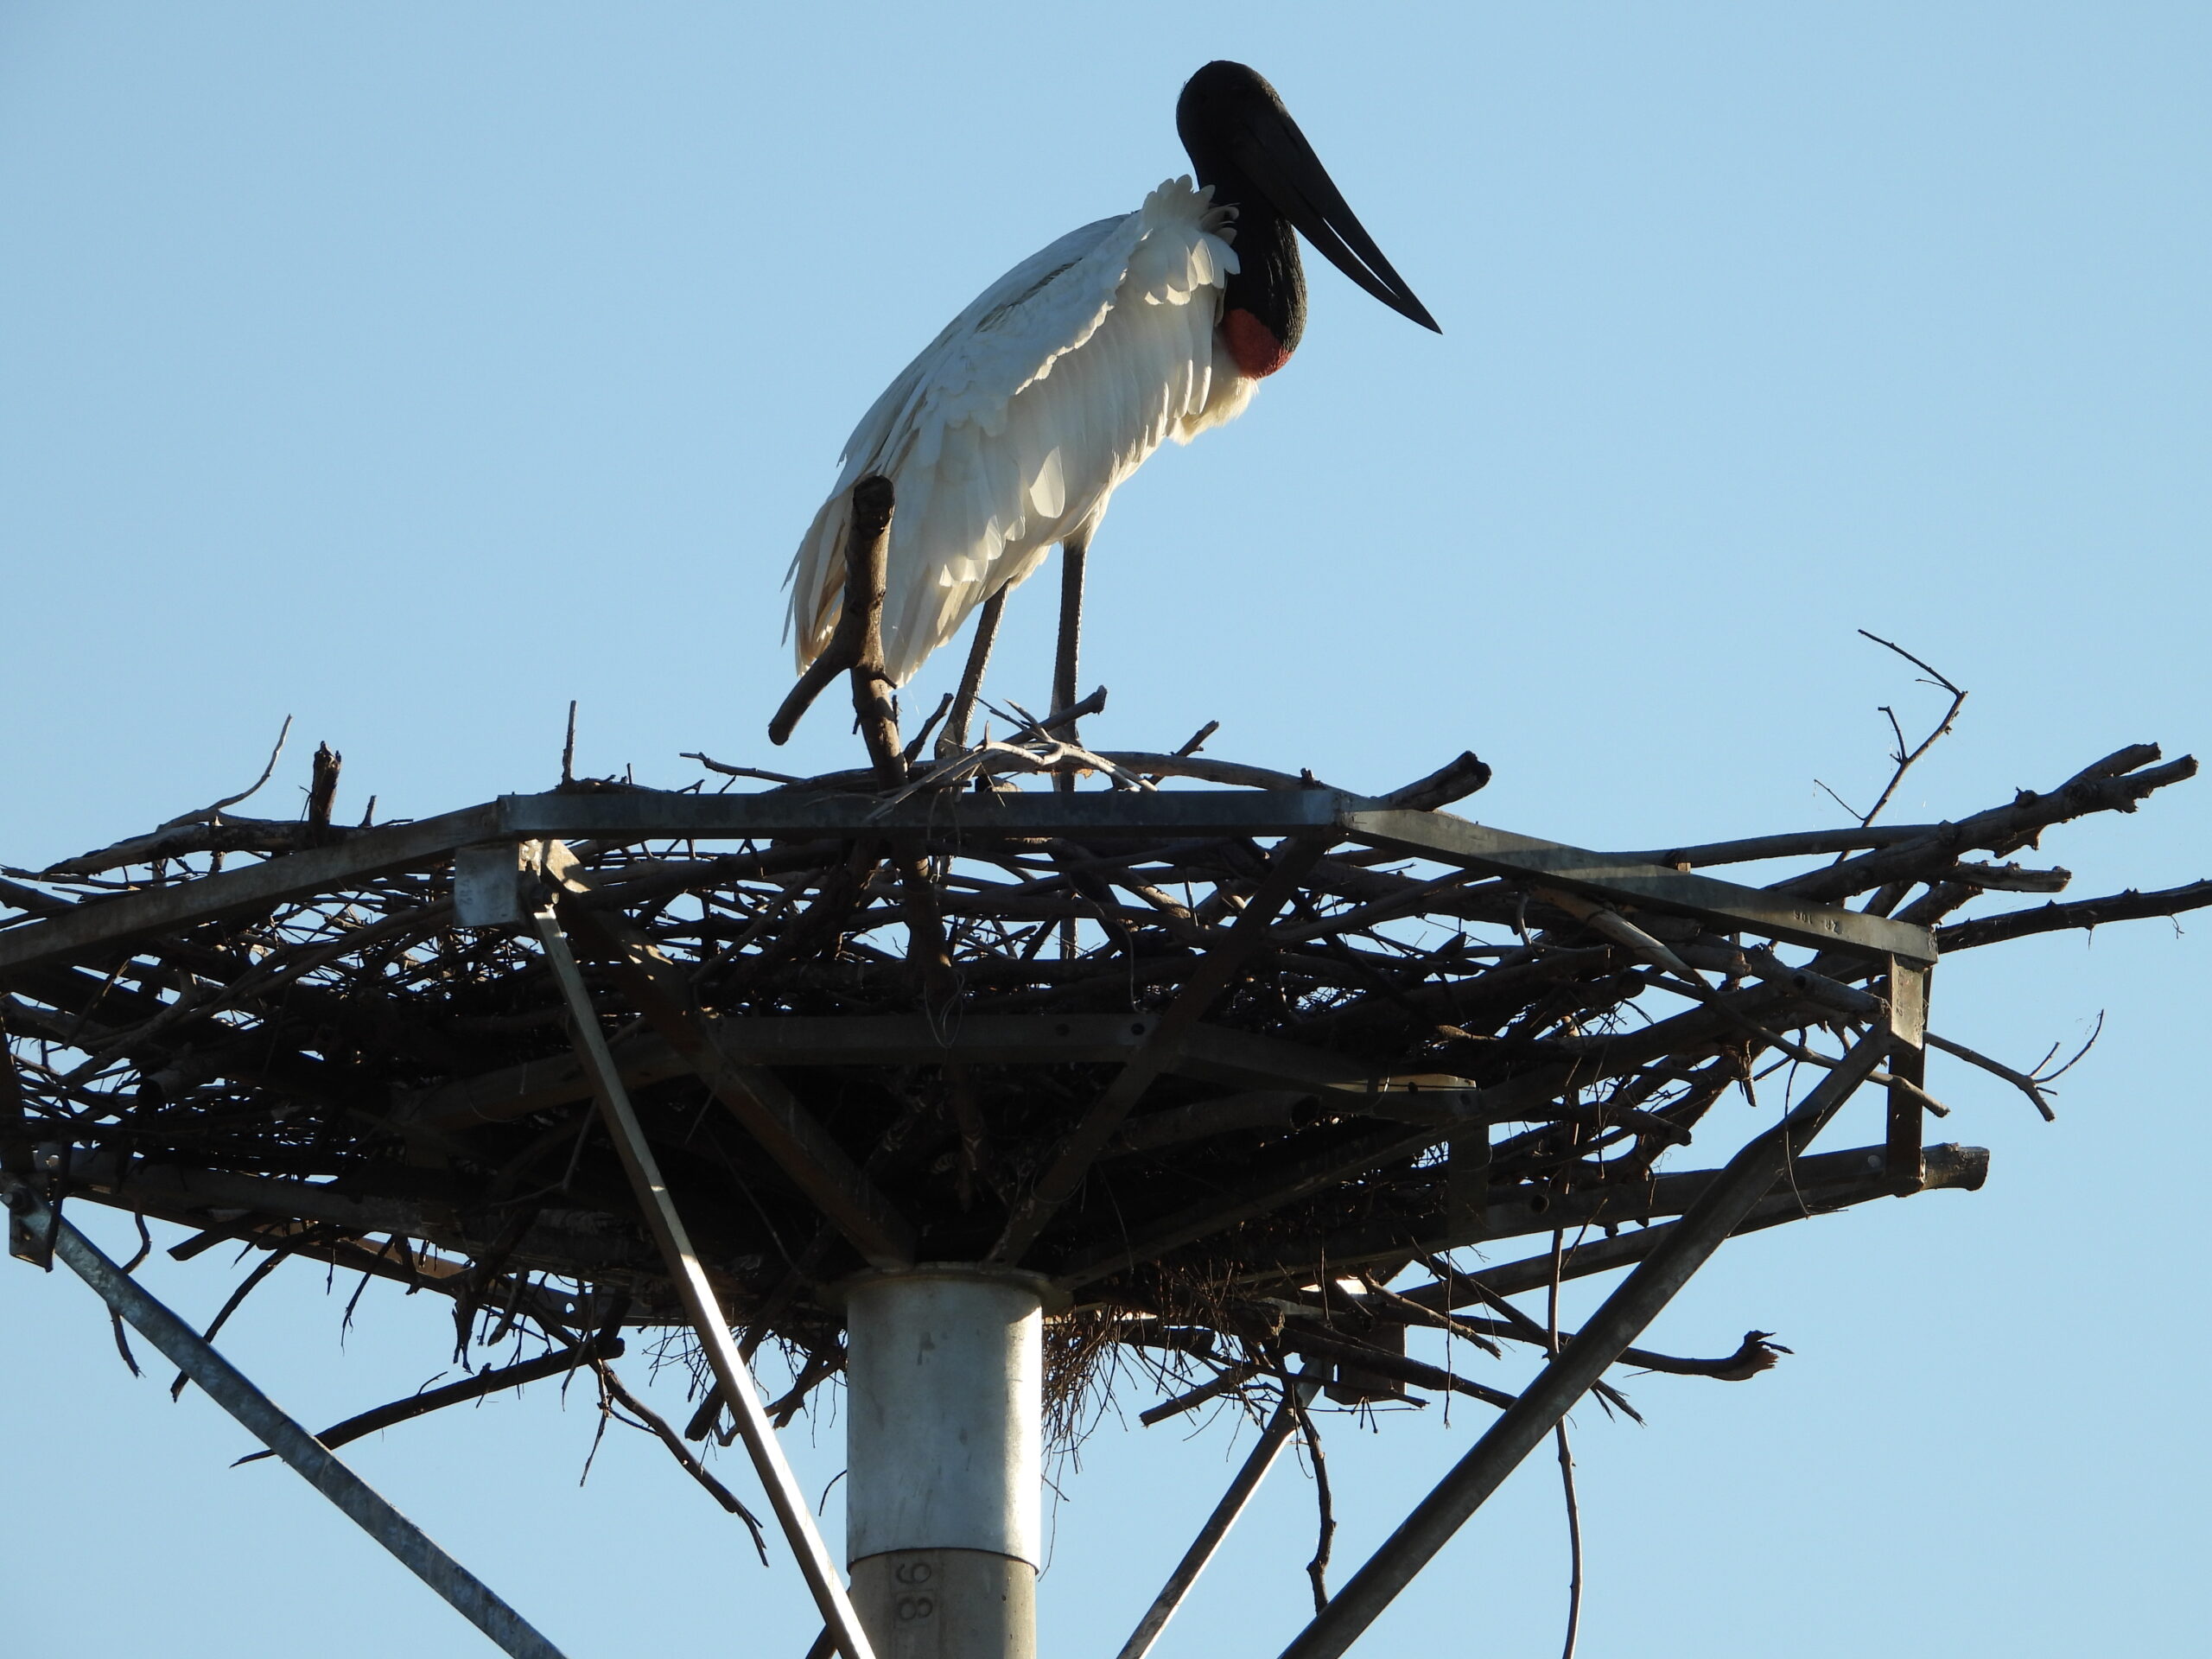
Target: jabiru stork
[1010, 431]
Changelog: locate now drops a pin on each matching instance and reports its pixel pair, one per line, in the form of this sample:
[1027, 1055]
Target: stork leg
[954, 737]
[1072, 553]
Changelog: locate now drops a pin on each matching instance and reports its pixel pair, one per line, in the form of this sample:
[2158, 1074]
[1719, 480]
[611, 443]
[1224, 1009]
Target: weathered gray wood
[1946, 1168]
[2115, 783]
[1442, 1113]
[89, 926]
[1604, 876]
[1811, 1179]
[1455, 780]
[1803, 843]
[2131, 905]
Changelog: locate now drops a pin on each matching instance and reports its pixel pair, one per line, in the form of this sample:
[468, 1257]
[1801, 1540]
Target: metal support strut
[1745, 1180]
[227, 1387]
[1273, 1439]
[945, 1396]
[700, 1303]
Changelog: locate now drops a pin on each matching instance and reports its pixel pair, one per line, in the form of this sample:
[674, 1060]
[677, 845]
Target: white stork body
[1008, 435]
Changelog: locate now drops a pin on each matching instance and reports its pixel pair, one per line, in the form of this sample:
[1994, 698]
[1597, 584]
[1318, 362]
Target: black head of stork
[1243, 142]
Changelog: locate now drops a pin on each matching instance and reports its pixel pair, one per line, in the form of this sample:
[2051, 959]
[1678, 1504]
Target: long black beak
[1273, 154]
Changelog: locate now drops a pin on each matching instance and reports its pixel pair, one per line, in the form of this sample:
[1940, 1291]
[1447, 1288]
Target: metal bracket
[29, 1240]
[1466, 1181]
[497, 883]
[1908, 1071]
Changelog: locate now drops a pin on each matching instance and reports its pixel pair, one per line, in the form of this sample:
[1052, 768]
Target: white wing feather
[1010, 432]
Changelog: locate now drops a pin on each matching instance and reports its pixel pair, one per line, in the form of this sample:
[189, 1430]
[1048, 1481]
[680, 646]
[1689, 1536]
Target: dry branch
[559, 1362]
[2083, 914]
[861, 614]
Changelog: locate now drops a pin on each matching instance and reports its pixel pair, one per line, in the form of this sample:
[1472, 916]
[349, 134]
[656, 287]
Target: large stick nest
[353, 1077]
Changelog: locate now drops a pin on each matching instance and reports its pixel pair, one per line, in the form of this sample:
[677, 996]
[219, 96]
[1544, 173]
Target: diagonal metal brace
[1523, 1425]
[1273, 1439]
[700, 1302]
[753, 1094]
[227, 1387]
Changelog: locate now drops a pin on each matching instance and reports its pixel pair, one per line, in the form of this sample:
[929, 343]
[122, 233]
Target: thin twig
[1225, 1380]
[2046, 1078]
[1566, 1463]
[727, 771]
[247, 793]
[122, 1344]
[1904, 760]
[1317, 1570]
[2020, 1080]
[659, 1427]
[1429, 1316]
[261, 1271]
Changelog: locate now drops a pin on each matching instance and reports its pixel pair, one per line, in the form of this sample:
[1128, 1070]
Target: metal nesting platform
[1202, 1073]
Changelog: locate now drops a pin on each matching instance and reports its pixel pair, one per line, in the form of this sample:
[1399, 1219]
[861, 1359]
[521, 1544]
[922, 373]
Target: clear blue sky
[414, 370]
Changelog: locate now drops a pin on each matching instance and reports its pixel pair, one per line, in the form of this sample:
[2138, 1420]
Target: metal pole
[943, 1403]
[700, 1302]
[1273, 1439]
[1741, 1184]
[223, 1383]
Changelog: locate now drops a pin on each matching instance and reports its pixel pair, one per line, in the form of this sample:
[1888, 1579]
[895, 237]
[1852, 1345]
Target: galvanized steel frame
[655, 816]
